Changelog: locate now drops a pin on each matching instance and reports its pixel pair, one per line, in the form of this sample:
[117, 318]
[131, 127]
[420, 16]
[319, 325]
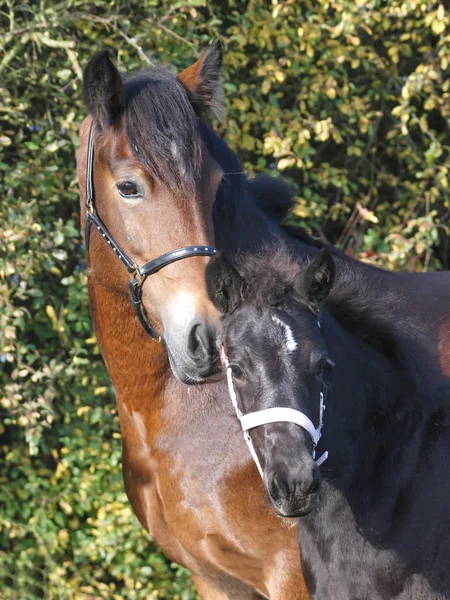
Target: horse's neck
[137, 365]
[140, 371]
[239, 223]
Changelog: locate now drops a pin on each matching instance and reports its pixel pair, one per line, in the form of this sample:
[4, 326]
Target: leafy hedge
[350, 100]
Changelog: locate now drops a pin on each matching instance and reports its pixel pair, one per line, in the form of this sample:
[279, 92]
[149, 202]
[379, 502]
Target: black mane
[162, 127]
[270, 276]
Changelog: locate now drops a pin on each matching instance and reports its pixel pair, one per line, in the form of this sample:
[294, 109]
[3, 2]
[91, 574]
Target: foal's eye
[319, 370]
[320, 367]
[323, 365]
[236, 371]
[128, 189]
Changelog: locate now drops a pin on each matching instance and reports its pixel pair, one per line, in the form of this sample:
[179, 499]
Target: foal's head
[155, 184]
[278, 358]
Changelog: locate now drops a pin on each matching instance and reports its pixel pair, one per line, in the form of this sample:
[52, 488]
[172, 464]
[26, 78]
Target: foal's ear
[203, 82]
[223, 283]
[315, 282]
[103, 90]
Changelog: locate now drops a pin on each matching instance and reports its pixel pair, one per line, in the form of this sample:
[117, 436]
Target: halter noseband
[140, 273]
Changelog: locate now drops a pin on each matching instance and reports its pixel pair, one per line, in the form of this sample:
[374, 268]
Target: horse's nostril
[201, 344]
[194, 341]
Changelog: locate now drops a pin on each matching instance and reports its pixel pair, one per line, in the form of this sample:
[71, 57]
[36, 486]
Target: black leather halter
[140, 273]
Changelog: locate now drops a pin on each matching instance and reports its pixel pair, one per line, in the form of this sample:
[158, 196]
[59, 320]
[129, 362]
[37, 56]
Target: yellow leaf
[331, 93]
[52, 147]
[50, 312]
[63, 537]
[437, 27]
[345, 108]
[366, 214]
[74, 523]
[354, 151]
[303, 136]
[99, 391]
[266, 85]
[285, 163]
[420, 248]
[67, 509]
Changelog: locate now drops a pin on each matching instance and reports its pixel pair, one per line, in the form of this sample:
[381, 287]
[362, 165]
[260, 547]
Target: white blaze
[289, 339]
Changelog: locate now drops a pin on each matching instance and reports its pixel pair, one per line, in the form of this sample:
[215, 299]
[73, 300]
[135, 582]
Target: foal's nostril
[278, 487]
[315, 481]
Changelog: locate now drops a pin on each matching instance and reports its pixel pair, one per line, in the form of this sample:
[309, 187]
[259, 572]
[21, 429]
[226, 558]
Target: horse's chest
[176, 487]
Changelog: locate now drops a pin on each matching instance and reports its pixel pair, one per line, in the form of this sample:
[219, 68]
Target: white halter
[274, 415]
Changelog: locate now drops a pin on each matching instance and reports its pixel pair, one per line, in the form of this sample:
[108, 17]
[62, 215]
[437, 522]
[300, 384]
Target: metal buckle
[137, 275]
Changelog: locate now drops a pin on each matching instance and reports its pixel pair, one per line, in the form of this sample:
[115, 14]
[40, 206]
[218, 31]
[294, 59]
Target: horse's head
[277, 357]
[154, 184]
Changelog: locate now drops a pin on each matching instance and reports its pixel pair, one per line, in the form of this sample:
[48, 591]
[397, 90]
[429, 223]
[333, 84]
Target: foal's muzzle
[293, 489]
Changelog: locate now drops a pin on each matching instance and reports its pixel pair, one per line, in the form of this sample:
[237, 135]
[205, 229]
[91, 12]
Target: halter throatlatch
[140, 273]
[275, 415]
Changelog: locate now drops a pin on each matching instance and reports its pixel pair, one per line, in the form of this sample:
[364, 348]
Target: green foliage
[350, 100]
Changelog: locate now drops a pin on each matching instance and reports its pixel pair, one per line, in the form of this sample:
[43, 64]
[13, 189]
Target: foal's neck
[377, 420]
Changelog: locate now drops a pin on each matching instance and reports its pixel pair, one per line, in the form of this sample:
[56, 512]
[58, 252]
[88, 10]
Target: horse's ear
[103, 90]
[315, 282]
[224, 284]
[203, 82]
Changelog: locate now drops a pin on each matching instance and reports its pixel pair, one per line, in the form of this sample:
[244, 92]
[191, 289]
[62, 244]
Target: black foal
[375, 524]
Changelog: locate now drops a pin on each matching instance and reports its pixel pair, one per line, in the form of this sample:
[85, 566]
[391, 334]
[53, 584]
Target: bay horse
[156, 184]
[153, 176]
[299, 337]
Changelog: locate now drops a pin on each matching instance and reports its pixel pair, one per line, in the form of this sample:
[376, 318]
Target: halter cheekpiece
[139, 273]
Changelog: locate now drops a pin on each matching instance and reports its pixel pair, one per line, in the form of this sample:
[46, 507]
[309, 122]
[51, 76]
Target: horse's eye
[128, 189]
[236, 371]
